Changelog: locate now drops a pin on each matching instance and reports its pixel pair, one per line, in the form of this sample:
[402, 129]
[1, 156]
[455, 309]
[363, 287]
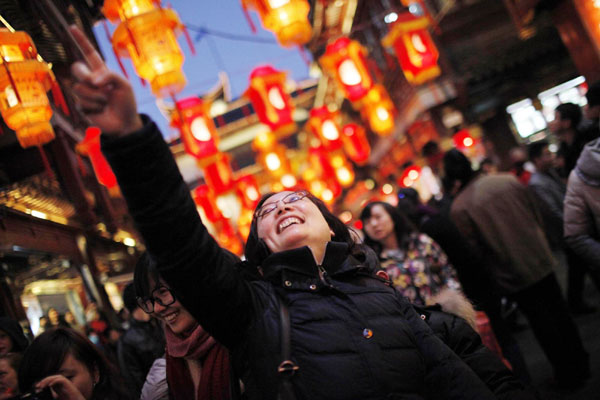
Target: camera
[44, 394]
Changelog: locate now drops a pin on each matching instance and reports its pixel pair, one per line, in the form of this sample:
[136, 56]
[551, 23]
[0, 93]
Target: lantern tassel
[45, 161]
[107, 32]
[249, 19]
[59, 98]
[143, 81]
[188, 39]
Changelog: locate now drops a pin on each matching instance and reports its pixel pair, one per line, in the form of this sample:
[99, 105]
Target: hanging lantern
[24, 82]
[344, 172]
[147, 34]
[379, 110]
[356, 144]
[463, 139]
[414, 48]
[90, 146]
[248, 191]
[227, 237]
[324, 124]
[263, 141]
[205, 198]
[275, 161]
[409, 176]
[345, 59]
[218, 174]
[325, 172]
[198, 131]
[270, 100]
[287, 19]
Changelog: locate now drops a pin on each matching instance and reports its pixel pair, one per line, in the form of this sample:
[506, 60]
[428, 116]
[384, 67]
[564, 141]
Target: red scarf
[213, 357]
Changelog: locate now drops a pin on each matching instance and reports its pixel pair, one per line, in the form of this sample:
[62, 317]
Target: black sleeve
[202, 274]
[131, 368]
[466, 343]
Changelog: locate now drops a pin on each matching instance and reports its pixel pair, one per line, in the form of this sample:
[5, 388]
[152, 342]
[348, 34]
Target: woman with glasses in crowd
[317, 324]
[195, 365]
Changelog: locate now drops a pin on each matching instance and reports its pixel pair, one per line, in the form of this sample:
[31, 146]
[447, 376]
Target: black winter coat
[352, 337]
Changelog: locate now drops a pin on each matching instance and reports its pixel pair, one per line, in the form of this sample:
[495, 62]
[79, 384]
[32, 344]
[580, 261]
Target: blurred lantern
[463, 139]
[344, 172]
[275, 161]
[324, 124]
[287, 19]
[263, 141]
[379, 110]
[24, 81]
[356, 144]
[198, 131]
[345, 59]
[147, 34]
[270, 100]
[217, 173]
[244, 222]
[90, 147]
[227, 237]
[414, 48]
[205, 198]
[409, 176]
[325, 172]
[248, 191]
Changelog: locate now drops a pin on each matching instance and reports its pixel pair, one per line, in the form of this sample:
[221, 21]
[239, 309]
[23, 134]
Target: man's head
[433, 155]
[458, 171]
[541, 156]
[567, 117]
[130, 303]
[592, 110]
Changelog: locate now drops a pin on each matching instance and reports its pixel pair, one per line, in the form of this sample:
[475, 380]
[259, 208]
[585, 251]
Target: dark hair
[593, 94]
[15, 332]
[48, 351]
[457, 167]
[256, 249]
[146, 271]
[536, 149]
[129, 298]
[402, 226]
[14, 360]
[430, 148]
[571, 112]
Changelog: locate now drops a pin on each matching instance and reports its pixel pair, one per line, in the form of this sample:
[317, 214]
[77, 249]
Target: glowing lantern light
[409, 176]
[345, 59]
[270, 100]
[414, 48]
[248, 191]
[463, 139]
[324, 125]
[379, 110]
[263, 141]
[275, 161]
[288, 181]
[90, 146]
[218, 174]
[356, 144]
[24, 82]
[287, 19]
[321, 163]
[147, 34]
[198, 131]
[227, 237]
[205, 198]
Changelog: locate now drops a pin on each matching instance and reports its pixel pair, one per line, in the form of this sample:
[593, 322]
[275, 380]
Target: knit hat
[14, 330]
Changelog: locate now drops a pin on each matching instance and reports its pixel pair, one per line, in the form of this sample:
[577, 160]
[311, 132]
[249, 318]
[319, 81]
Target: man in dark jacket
[140, 345]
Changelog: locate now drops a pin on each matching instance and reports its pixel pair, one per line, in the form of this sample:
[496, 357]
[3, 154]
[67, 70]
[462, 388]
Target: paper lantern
[24, 81]
[463, 139]
[416, 52]
[409, 176]
[325, 172]
[378, 109]
[205, 198]
[356, 144]
[90, 147]
[345, 60]
[198, 131]
[218, 174]
[324, 124]
[248, 191]
[271, 102]
[227, 237]
[287, 19]
[147, 34]
[275, 161]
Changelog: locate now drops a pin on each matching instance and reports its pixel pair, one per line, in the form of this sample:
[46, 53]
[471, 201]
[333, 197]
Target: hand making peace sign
[105, 97]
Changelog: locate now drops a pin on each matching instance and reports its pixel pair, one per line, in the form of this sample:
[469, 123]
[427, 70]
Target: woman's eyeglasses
[162, 295]
[290, 198]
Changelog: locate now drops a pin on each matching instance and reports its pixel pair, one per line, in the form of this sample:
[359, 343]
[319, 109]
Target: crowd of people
[315, 312]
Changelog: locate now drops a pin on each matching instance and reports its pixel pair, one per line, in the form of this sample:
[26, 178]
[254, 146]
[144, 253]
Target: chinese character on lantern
[287, 19]
[271, 102]
[356, 144]
[147, 34]
[24, 81]
[90, 146]
[198, 131]
[345, 60]
[324, 124]
[416, 52]
[378, 109]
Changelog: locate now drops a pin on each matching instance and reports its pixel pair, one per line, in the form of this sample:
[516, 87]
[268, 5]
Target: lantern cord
[201, 31]
[249, 19]
[46, 162]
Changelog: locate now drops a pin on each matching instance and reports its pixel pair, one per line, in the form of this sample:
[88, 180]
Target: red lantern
[379, 110]
[356, 144]
[275, 161]
[270, 100]
[248, 191]
[205, 198]
[218, 174]
[90, 146]
[198, 131]
[227, 237]
[324, 124]
[345, 59]
[463, 139]
[326, 173]
[409, 176]
[414, 48]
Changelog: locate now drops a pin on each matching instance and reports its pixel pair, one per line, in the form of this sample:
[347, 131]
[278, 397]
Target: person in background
[498, 215]
[72, 322]
[487, 166]
[9, 367]
[71, 366]
[55, 319]
[592, 108]
[550, 190]
[140, 345]
[12, 339]
[521, 168]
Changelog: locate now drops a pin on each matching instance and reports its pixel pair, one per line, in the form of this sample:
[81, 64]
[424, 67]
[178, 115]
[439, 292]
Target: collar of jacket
[297, 269]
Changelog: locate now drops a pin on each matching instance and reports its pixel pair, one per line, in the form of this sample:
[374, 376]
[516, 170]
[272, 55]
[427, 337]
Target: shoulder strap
[287, 368]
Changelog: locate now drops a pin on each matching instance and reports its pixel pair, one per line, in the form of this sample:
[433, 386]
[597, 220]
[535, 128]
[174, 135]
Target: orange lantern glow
[344, 172]
[414, 48]
[248, 191]
[409, 176]
[198, 131]
[227, 237]
[356, 144]
[345, 59]
[218, 174]
[325, 172]
[90, 146]
[271, 102]
[147, 34]
[287, 19]
[324, 124]
[379, 110]
[24, 82]
[463, 139]
[275, 161]
[205, 198]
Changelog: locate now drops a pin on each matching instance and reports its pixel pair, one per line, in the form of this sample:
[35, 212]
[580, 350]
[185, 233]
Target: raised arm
[201, 273]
